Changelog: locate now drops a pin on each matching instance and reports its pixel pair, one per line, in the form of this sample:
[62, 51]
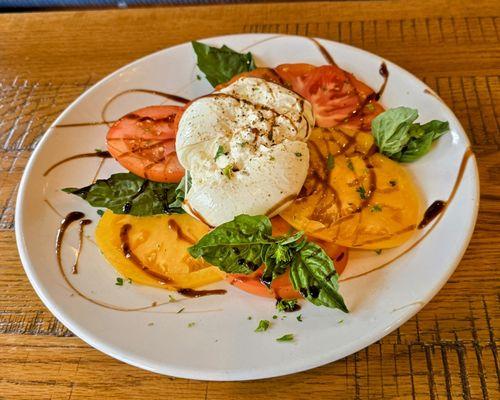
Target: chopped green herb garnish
[263, 325]
[249, 317]
[220, 152]
[272, 158]
[129, 280]
[378, 251]
[275, 317]
[100, 213]
[349, 164]
[341, 321]
[181, 310]
[198, 77]
[392, 182]
[298, 154]
[299, 317]
[191, 324]
[362, 192]
[285, 338]
[330, 162]
[228, 171]
[286, 305]
[376, 208]
[171, 298]
[119, 282]
[370, 107]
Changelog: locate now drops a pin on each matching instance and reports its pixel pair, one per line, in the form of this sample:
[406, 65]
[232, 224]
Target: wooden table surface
[448, 351]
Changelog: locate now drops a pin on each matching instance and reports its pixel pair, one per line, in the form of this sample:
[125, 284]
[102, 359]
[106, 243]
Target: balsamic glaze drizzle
[128, 253]
[180, 234]
[81, 225]
[169, 96]
[432, 212]
[201, 293]
[98, 154]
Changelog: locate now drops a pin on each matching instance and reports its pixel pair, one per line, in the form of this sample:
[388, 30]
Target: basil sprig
[220, 64]
[245, 243]
[400, 138]
[126, 193]
[237, 246]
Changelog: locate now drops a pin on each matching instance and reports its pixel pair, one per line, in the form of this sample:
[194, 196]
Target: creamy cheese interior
[245, 150]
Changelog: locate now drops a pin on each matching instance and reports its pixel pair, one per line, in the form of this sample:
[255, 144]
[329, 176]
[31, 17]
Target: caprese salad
[266, 182]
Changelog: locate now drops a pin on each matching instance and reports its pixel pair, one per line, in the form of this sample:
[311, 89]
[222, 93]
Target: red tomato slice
[290, 72]
[264, 73]
[144, 143]
[328, 88]
[282, 287]
[363, 121]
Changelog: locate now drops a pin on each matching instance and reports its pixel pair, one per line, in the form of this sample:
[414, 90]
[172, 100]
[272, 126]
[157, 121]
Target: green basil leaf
[220, 64]
[278, 256]
[421, 139]
[181, 190]
[313, 274]
[399, 138]
[436, 128]
[236, 246]
[390, 129]
[415, 149]
[126, 193]
[242, 245]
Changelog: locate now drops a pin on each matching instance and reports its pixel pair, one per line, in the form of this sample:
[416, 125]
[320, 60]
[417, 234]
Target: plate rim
[234, 375]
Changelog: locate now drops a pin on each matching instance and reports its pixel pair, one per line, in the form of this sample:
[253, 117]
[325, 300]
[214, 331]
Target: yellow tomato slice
[159, 244]
[352, 198]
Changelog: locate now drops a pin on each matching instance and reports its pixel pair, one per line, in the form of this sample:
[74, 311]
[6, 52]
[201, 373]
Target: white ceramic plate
[222, 345]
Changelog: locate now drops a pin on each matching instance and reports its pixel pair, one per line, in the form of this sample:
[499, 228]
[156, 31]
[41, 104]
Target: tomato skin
[144, 143]
[335, 95]
[282, 287]
[363, 121]
[290, 72]
[267, 74]
[328, 88]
